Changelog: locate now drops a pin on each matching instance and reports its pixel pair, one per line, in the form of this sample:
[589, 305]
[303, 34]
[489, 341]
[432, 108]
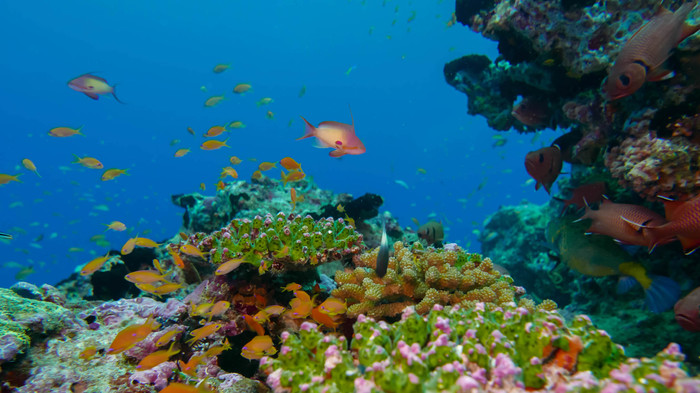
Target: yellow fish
[27, 163]
[292, 177]
[229, 171]
[202, 186]
[236, 124]
[266, 166]
[213, 144]
[110, 174]
[181, 152]
[242, 88]
[213, 101]
[214, 131]
[257, 175]
[128, 247]
[258, 347]
[62, 132]
[270, 115]
[264, 101]
[94, 265]
[4, 179]
[92, 86]
[88, 162]
[235, 160]
[205, 331]
[116, 226]
[219, 68]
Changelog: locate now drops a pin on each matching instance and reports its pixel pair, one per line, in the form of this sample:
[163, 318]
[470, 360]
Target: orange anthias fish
[176, 387]
[213, 145]
[219, 68]
[333, 134]
[94, 265]
[129, 336]
[292, 176]
[157, 358]
[257, 175]
[88, 353]
[145, 242]
[62, 132]
[235, 160]
[242, 88]
[544, 165]
[189, 368]
[167, 337]
[177, 260]
[642, 58]
[88, 162]
[181, 152]
[266, 166]
[192, 251]
[110, 174]
[204, 331]
[683, 223]
[254, 325]
[213, 101]
[128, 247]
[215, 131]
[116, 226]
[619, 221]
[293, 194]
[289, 164]
[92, 86]
[586, 194]
[228, 171]
[228, 266]
[144, 277]
[258, 347]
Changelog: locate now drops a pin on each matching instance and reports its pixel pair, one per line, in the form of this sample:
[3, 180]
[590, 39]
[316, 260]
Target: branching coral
[457, 350]
[422, 278]
[281, 243]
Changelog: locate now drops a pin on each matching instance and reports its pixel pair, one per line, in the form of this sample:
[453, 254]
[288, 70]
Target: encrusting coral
[421, 277]
[453, 349]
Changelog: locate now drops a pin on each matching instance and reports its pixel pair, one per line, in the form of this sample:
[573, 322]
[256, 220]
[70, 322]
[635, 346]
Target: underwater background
[384, 61]
[516, 208]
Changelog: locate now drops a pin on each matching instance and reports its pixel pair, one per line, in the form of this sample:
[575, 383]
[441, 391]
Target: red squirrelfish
[683, 222]
[531, 111]
[92, 86]
[339, 136]
[643, 56]
[585, 194]
[544, 165]
[623, 222]
[688, 311]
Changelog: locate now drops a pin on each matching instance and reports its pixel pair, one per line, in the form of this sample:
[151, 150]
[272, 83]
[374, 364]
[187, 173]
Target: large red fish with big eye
[688, 311]
[544, 165]
[644, 54]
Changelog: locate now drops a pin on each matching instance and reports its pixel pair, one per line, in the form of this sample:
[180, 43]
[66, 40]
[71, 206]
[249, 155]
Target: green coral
[280, 242]
[486, 345]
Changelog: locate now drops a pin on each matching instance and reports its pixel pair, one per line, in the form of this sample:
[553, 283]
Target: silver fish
[383, 254]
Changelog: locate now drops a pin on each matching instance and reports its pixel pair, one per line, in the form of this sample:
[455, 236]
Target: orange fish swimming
[181, 152]
[213, 145]
[62, 132]
[131, 335]
[266, 166]
[144, 277]
[5, 178]
[229, 171]
[29, 165]
[192, 251]
[290, 164]
[215, 131]
[110, 174]
[544, 165]
[643, 56]
[242, 88]
[228, 266]
[203, 332]
[213, 101]
[618, 220]
[94, 265]
[258, 347]
[92, 86]
[128, 247]
[257, 175]
[235, 160]
[157, 358]
[292, 176]
[339, 136]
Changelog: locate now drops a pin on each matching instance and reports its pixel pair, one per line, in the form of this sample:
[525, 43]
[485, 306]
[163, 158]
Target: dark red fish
[643, 56]
[586, 194]
[688, 311]
[683, 223]
[432, 232]
[531, 111]
[628, 224]
[544, 165]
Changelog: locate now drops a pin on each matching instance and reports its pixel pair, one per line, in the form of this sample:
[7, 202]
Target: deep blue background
[161, 52]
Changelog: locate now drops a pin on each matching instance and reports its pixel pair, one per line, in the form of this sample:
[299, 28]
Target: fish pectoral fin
[660, 74]
[337, 153]
[92, 95]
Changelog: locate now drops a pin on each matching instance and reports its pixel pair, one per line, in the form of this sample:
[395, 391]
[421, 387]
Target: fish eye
[90, 87]
[541, 158]
[625, 80]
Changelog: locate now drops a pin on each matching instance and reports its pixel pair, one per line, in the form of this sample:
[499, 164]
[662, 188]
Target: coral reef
[422, 278]
[454, 349]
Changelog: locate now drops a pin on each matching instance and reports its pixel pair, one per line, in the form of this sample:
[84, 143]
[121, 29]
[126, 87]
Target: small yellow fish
[167, 337]
[229, 171]
[257, 175]
[88, 162]
[213, 144]
[266, 166]
[203, 332]
[290, 164]
[116, 226]
[228, 266]
[192, 251]
[236, 124]
[220, 185]
[94, 265]
[144, 277]
[215, 131]
[242, 88]
[27, 163]
[235, 160]
[191, 131]
[181, 152]
[157, 358]
[213, 101]
[4, 179]
[340, 208]
[88, 353]
[258, 347]
[145, 242]
[62, 132]
[110, 174]
[270, 115]
[168, 287]
[264, 101]
[128, 247]
[293, 194]
[292, 177]
[202, 186]
[421, 171]
[219, 68]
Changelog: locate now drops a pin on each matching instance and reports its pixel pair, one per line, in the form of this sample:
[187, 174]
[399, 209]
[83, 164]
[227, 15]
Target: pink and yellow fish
[339, 136]
[92, 86]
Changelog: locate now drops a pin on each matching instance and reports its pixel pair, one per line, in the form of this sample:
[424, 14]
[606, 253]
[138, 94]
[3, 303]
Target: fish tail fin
[625, 283]
[114, 94]
[79, 129]
[284, 179]
[662, 294]
[657, 236]
[77, 159]
[310, 130]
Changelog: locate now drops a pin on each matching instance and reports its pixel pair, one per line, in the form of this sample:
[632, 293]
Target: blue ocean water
[384, 59]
